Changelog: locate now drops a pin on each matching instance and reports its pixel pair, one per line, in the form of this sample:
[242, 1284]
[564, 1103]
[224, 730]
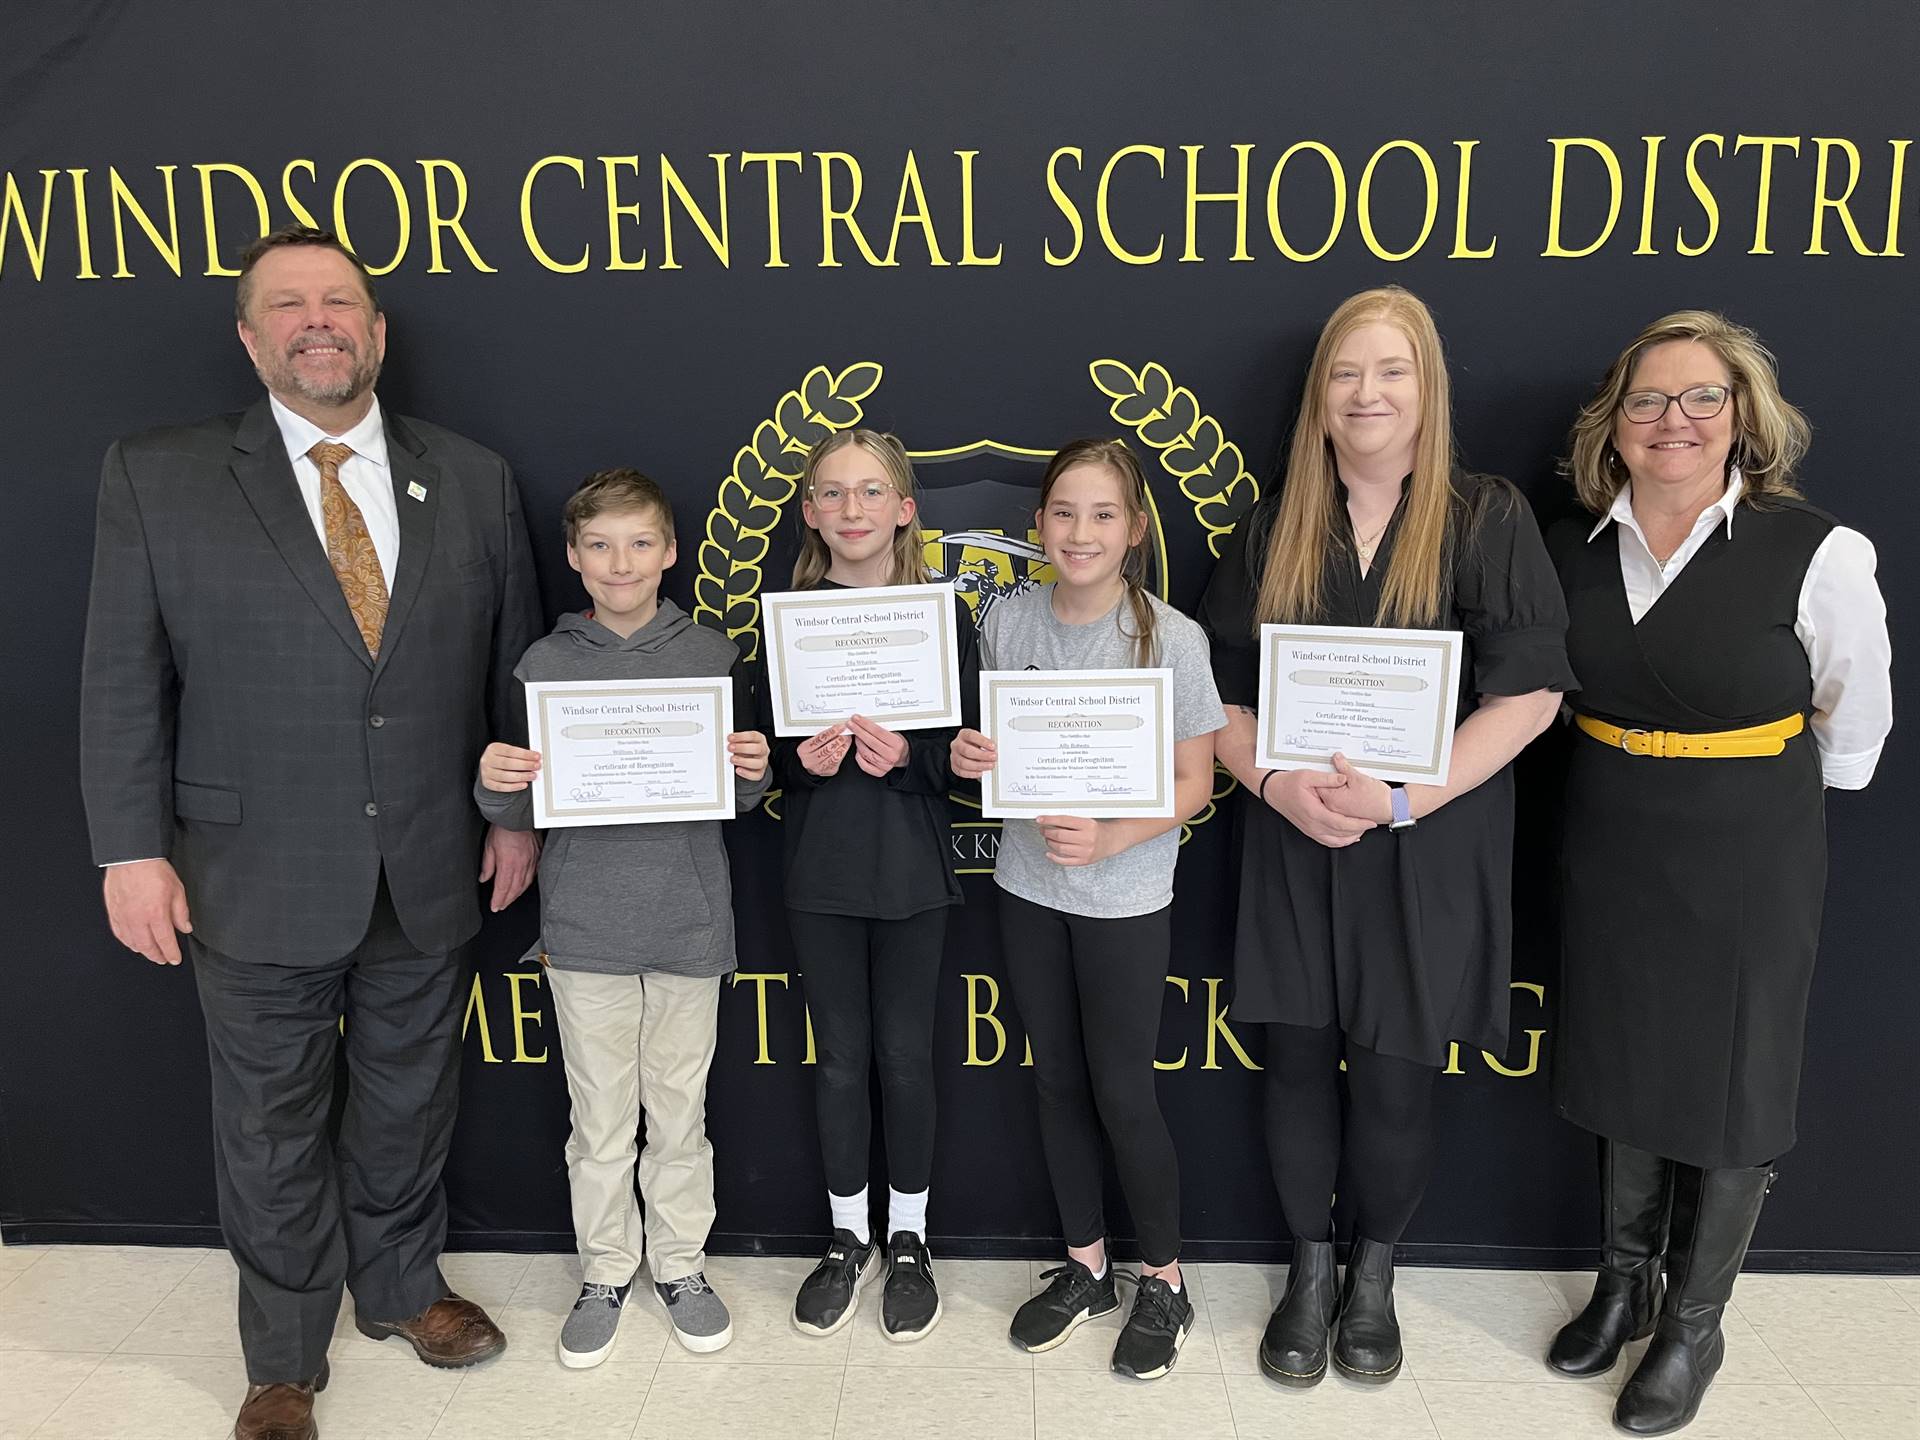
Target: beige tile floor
[138, 1344]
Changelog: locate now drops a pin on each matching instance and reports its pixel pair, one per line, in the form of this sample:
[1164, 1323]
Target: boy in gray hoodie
[636, 933]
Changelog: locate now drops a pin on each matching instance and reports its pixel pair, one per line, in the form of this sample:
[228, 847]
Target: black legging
[870, 987]
[1089, 993]
[1388, 1138]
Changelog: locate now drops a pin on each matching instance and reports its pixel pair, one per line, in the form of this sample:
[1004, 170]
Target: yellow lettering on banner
[436, 222]
[263, 219]
[1066, 205]
[759, 981]
[1703, 194]
[672, 188]
[773, 160]
[918, 215]
[1339, 178]
[477, 1005]
[976, 1016]
[1649, 183]
[521, 1015]
[1763, 201]
[1105, 219]
[1364, 210]
[402, 210]
[80, 228]
[125, 201]
[830, 216]
[301, 214]
[13, 210]
[1453, 1059]
[1217, 1028]
[1823, 202]
[1893, 195]
[806, 1015]
[534, 247]
[969, 252]
[1180, 983]
[1462, 249]
[1539, 992]
[613, 165]
[1555, 250]
[1237, 197]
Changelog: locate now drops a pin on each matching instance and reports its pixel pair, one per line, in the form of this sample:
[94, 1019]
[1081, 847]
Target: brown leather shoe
[450, 1333]
[279, 1412]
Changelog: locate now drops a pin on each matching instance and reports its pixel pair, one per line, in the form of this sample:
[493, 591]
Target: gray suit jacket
[232, 720]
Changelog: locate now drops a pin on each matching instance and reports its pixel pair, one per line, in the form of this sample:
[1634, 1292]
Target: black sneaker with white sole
[829, 1296]
[1151, 1339]
[1074, 1297]
[910, 1304]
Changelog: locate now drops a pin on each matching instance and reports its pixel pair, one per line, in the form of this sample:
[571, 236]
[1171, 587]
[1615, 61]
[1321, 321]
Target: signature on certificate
[586, 794]
[1386, 748]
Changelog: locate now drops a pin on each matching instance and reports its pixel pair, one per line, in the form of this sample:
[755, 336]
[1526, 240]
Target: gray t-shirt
[1022, 633]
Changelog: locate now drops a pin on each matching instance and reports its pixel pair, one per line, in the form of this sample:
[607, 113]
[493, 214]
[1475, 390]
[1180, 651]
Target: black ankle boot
[1367, 1346]
[1714, 1212]
[1635, 1189]
[1294, 1349]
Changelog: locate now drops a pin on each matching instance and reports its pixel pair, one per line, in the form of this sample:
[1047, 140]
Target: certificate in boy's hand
[631, 752]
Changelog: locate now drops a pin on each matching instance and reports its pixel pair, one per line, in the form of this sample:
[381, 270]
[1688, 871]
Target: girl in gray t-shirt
[1085, 907]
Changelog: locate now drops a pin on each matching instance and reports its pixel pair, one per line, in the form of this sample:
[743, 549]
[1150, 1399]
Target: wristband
[1262, 791]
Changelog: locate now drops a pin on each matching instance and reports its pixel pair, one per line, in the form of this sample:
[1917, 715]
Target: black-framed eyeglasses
[1697, 402]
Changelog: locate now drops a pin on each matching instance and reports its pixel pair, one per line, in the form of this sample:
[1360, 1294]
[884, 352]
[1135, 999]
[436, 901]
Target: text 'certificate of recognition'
[888, 653]
[1383, 698]
[1094, 743]
[631, 752]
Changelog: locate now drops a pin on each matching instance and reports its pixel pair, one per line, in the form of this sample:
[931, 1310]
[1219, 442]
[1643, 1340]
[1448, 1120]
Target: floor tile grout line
[99, 1359]
[155, 1309]
[1433, 1420]
[840, 1399]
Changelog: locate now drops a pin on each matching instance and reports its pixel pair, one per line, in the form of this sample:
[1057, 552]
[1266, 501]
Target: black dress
[1691, 889]
[1404, 939]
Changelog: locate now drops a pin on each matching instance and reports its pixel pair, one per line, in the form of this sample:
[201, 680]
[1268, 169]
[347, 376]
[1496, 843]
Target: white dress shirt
[363, 475]
[1841, 624]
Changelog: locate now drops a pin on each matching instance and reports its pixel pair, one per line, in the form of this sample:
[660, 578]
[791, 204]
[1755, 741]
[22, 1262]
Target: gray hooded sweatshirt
[627, 899]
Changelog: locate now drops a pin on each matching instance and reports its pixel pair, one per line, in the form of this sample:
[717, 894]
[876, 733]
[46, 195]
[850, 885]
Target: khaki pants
[634, 1041]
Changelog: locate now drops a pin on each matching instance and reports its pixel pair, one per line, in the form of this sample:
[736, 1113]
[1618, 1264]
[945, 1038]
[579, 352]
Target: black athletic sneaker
[829, 1296]
[1073, 1298]
[910, 1304]
[1155, 1331]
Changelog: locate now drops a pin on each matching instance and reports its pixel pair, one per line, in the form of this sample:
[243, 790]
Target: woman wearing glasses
[1732, 651]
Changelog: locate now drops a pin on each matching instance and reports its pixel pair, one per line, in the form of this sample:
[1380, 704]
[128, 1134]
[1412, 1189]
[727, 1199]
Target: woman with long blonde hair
[1374, 923]
[1733, 657]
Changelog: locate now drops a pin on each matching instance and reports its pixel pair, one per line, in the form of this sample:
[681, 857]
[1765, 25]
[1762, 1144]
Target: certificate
[631, 752]
[889, 653]
[1383, 698]
[1095, 743]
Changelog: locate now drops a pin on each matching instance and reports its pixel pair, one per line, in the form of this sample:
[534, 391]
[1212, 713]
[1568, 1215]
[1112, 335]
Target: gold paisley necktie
[356, 564]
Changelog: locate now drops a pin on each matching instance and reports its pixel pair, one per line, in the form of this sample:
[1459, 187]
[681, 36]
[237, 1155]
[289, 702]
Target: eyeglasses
[1697, 402]
[834, 497]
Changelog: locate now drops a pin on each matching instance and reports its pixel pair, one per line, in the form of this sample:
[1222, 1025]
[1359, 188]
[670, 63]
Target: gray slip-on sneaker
[587, 1337]
[700, 1319]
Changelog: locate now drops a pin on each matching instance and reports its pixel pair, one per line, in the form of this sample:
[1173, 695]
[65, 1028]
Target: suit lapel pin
[416, 491]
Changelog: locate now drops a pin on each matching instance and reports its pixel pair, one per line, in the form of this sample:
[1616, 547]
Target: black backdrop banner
[695, 238]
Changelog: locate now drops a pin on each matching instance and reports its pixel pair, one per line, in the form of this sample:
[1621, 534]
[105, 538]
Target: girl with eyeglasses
[868, 887]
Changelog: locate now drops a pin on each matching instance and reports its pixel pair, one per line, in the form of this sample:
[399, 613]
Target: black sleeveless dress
[1691, 888]
[1405, 938]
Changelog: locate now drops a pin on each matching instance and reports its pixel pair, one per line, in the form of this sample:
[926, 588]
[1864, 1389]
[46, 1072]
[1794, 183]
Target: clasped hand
[1334, 809]
[876, 749]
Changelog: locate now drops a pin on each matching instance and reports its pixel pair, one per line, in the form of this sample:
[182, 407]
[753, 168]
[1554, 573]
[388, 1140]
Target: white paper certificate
[631, 752]
[1383, 698]
[1096, 743]
[889, 653]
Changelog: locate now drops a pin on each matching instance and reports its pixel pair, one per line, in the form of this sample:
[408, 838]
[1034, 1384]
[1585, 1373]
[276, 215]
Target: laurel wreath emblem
[1193, 449]
[754, 496]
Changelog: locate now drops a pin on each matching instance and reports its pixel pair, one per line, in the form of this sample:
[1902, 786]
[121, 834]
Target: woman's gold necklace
[1365, 548]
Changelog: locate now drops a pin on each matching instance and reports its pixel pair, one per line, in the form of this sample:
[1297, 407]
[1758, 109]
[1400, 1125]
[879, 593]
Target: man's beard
[285, 378]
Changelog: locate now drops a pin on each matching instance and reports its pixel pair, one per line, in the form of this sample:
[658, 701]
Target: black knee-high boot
[1367, 1346]
[1294, 1349]
[1635, 1191]
[1714, 1212]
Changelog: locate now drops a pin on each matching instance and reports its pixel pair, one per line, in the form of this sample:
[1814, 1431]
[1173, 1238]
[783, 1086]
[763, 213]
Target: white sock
[1101, 1273]
[850, 1213]
[907, 1212]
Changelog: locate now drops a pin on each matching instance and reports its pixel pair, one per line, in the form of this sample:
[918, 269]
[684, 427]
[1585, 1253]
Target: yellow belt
[1768, 739]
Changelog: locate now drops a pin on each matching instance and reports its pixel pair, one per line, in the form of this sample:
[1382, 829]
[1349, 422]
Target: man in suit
[301, 633]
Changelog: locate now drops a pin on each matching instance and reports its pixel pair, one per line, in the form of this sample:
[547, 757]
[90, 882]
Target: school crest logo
[976, 510]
